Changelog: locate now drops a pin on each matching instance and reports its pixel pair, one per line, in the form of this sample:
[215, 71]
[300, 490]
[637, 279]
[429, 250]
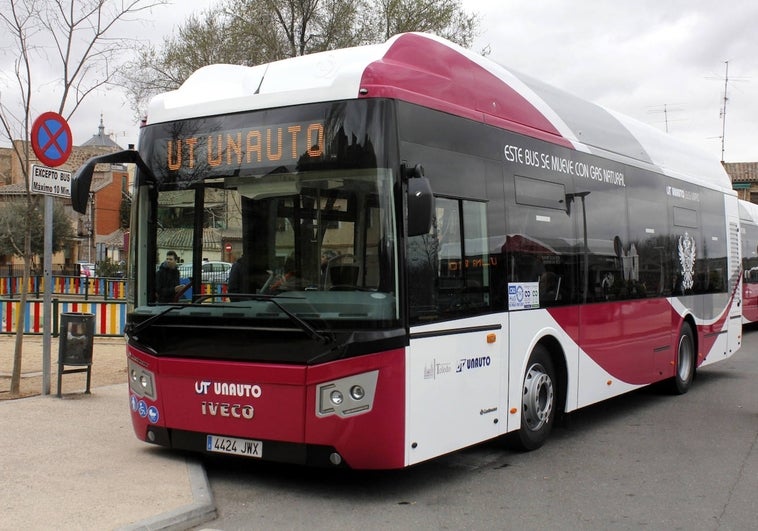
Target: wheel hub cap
[538, 397]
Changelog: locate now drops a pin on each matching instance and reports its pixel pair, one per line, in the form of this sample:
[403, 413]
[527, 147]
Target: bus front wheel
[538, 401]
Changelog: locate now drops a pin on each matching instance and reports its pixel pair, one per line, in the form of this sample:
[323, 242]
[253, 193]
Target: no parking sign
[51, 139]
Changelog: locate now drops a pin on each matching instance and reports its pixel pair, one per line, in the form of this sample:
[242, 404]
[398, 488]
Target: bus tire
[538, 401]
[684, 370]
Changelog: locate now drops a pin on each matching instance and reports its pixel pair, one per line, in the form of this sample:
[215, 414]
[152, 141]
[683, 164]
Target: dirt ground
[108, 366]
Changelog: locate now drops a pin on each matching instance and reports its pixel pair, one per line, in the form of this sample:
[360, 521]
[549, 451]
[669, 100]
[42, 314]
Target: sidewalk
[74, 462]
[108, 365]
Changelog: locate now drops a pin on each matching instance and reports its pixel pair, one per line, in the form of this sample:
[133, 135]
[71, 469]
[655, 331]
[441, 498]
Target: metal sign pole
[52, 143]
[47, 298]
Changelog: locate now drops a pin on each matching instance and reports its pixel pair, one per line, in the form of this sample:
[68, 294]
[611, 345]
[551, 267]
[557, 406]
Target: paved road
[645, 460]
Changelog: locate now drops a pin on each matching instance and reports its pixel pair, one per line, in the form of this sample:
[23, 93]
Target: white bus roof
[430, 71]
[748, 212]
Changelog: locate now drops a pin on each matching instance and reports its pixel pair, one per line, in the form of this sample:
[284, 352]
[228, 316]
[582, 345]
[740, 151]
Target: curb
[200, 511]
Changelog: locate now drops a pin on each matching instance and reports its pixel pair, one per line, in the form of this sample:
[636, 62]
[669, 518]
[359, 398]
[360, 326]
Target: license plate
[235, 446]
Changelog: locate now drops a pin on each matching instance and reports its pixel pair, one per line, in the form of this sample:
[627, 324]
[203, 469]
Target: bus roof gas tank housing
[430, 71]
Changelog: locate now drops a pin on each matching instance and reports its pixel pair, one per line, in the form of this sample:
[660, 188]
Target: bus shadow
[707, 381]
[403, 486]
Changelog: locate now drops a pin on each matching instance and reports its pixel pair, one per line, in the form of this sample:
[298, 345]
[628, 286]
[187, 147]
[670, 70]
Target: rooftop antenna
[722, 113]
[665, 109]
[724, 101]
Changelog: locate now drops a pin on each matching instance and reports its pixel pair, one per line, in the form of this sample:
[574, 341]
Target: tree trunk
[21, 317]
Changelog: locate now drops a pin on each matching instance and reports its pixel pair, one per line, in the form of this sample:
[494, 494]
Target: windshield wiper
[135, 329]
[308, 329]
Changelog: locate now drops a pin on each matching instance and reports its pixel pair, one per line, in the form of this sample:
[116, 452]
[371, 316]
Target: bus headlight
[357, 392]
[336, 397]
[348, 396]
[141, 381]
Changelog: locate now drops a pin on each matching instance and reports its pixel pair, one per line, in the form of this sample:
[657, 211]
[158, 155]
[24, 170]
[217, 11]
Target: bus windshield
[268, 221]
[319, 242]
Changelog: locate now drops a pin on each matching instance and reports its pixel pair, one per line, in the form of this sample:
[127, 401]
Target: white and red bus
[749, 238]
[429, 251]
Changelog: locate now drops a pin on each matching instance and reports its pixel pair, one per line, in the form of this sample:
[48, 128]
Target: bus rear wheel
[538, 401]
[684, 372]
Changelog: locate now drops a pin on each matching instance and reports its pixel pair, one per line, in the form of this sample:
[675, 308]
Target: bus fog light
[357, 392]
[336, 397]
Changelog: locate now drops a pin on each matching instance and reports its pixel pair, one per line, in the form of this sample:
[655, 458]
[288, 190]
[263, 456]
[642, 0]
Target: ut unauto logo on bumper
[226, 389]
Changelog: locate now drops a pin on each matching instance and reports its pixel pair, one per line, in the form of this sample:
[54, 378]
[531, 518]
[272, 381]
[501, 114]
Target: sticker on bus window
[523, 295]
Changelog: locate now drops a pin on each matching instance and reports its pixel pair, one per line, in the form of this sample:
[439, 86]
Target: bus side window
[448, 269]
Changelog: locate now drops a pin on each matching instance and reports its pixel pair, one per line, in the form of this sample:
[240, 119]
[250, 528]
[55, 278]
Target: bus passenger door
[453, 386]
[457, 347]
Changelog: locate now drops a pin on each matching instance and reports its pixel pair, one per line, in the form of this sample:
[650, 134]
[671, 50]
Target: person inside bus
[326, 256]
[236, 274]
[283, 281]
[530, 268]
[242, 279]
[167, 284]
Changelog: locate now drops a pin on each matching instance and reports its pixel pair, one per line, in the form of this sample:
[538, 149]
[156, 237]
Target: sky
[663, 62]
[660, 62]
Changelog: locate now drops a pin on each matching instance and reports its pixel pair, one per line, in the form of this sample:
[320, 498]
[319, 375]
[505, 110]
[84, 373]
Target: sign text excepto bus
[50, 181]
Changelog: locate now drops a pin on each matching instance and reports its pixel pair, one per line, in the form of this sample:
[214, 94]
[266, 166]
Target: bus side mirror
[82, 180]
[80, 186]
[420, 206]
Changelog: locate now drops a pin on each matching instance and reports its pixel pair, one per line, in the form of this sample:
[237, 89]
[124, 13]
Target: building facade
[744, 177]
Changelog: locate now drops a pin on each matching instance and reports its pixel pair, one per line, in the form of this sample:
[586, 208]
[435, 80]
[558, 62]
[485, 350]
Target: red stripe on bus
[466, 90]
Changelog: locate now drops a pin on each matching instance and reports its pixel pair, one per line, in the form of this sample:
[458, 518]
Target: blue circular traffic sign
[51, 139]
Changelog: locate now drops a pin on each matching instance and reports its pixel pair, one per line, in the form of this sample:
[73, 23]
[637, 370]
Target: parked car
[86, 269]
[212, 271]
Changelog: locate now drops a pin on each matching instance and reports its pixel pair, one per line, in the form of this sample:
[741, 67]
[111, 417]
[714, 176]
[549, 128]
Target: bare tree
[250, 32]
[442, 17]
[70, 42]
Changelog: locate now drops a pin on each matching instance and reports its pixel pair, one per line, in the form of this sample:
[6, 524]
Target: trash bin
[77, 332]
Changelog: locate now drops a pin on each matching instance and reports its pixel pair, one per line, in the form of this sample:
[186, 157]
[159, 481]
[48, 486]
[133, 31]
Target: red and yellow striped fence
[110, 316]
[107, 288]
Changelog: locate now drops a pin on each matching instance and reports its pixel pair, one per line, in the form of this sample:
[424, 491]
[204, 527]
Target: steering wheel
[185, 289]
